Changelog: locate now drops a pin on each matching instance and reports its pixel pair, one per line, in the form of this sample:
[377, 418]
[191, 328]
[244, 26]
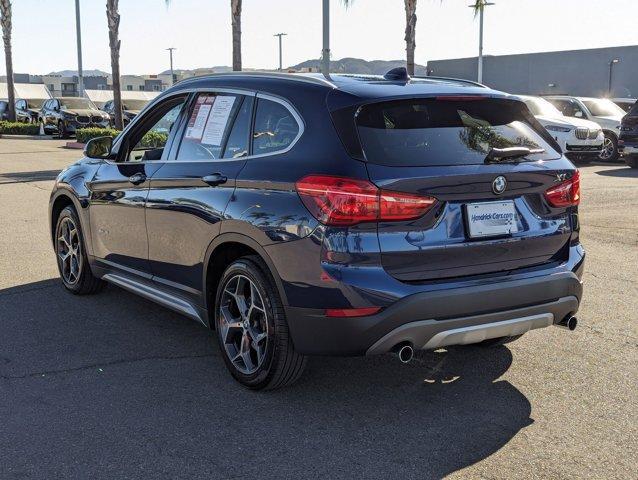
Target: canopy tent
[100, 97]
[28, 91]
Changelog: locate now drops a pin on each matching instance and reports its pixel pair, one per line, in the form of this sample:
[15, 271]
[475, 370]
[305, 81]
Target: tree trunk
[410, 34]
[235, 11]
[113, 18]
[5, 19]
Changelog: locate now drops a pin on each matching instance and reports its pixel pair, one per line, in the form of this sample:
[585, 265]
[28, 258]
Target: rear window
[633, 111]
[423, 132]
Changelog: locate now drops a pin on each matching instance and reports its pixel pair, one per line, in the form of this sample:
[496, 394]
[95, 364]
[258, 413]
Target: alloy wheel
[243, 324]
[608, 149]
[69, 249]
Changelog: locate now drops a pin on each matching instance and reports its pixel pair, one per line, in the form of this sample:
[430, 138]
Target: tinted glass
[275, 127]
[237, 143]
[151, 144]
[134, 104]
[80, 103]
[208, 126]
[633, 111]
[568, 108]
[423, 132]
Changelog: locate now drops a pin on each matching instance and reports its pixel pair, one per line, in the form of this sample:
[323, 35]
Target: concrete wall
[573, 72]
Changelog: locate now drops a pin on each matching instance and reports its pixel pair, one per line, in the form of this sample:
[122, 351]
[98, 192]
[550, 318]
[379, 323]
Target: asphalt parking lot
[113, 386]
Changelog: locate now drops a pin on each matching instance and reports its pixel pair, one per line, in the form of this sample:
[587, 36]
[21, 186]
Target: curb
[26, 137]
[75, 145]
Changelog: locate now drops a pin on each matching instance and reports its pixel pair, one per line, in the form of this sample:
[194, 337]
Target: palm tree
[235, 14]
[113, 18]
[5, 19]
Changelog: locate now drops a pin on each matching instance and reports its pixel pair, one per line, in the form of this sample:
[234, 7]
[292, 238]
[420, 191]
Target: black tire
[497, 342]
[281, 364]
[62, 133]
[85, 283]
[632, 161]
[615, 154]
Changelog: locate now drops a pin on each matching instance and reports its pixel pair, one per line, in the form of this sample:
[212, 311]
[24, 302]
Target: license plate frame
[491, 219]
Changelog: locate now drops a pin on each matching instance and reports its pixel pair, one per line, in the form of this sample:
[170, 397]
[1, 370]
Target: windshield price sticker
[199, 116]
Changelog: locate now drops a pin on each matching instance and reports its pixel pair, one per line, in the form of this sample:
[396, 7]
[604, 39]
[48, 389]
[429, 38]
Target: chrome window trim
[249, 93]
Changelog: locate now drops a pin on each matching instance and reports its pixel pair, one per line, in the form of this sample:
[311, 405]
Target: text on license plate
[491, 218]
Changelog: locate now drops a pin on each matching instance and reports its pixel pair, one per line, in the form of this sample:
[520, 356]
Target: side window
[208, 126]
[150, 140]
[275, 127]
[237, 143]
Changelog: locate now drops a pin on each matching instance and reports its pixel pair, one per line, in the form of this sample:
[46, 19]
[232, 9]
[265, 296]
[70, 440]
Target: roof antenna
[399, 74]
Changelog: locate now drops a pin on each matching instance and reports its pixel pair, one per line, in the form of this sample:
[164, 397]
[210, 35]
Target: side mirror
[578, 114]
[99, 147]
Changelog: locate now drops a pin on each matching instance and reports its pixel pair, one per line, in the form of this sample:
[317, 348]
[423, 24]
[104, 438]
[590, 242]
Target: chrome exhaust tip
[569, 322]
[404, 351]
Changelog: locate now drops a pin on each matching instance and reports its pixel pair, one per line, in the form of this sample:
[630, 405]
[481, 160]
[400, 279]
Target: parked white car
[600, 110]
[580, 139]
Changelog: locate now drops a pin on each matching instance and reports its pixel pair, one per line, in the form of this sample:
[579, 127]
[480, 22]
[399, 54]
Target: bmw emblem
[499, 185]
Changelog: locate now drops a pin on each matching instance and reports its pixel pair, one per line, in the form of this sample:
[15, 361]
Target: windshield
[603, 108]
[35, 103]
[76, 103]
[540, 106]
[428, 131]
[134, 104]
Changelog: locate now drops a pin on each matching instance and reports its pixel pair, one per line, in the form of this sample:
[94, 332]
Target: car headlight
[557, 128]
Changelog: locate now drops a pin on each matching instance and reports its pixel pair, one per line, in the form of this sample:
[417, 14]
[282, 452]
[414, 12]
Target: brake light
[343, 201]
[565, 194]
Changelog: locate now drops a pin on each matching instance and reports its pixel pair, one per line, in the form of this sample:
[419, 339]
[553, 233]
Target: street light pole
[79, 40]
[170, 53]
[325, 53]
[611, 67]
[484, 4]
[280, 35]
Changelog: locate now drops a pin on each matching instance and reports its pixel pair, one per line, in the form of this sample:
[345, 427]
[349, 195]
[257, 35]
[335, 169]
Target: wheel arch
[225, 249]
[59, 201]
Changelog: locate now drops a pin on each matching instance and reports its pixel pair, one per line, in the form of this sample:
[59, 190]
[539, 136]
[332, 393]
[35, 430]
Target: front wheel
[252, 330]
[71, 255]
[609, 152]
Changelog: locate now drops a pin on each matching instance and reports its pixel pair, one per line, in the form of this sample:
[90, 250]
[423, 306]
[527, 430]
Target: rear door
[189, 193]
[489, 217]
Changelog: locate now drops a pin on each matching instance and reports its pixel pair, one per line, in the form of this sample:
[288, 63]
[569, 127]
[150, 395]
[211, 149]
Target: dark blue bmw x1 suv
[302, 215]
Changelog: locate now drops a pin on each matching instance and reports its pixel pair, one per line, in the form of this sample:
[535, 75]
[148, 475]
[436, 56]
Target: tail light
[343, 201]
[565, 194]
[351, 312]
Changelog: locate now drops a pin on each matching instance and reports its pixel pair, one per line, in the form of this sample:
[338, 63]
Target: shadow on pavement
[21, 177]
[620, 172]
[113, 386]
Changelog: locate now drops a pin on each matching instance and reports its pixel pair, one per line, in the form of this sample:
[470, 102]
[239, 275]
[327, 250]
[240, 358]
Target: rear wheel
[71, 255]
[252, 330]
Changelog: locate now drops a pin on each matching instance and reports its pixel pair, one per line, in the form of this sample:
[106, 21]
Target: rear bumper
[422, 318]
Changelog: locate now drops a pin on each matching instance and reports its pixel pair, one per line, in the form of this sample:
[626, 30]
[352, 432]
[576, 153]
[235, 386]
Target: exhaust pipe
[569, 322]
[404, 351]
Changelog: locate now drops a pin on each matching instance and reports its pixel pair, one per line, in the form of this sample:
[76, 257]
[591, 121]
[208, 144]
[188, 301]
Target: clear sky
[44, 31]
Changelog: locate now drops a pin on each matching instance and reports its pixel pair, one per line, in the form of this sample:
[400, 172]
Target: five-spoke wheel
[69, 251]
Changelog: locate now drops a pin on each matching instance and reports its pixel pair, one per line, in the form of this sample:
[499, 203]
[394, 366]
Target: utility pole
[484, 4]
[325, 53]
[170, 52]
[611, 69]
[280, 35]
[79, 39]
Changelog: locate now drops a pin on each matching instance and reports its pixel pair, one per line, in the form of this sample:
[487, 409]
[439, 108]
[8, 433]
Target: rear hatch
[629, 125]
[490, 216]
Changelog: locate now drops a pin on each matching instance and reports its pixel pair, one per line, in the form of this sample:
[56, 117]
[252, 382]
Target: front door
[119, 191]
[189, 193]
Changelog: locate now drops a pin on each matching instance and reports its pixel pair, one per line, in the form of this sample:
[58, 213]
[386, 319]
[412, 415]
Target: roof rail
[298, 77]
[451, 79]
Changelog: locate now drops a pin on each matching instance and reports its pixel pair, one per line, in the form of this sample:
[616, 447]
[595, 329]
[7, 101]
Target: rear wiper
[501, 154]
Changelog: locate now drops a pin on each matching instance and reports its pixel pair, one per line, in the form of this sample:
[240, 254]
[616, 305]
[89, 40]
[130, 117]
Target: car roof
[363, 86]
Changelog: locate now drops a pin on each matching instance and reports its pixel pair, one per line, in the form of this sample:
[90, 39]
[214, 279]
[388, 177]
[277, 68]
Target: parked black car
[4, 110]
[628, 143]
[130, 109]
[302, 215]
[63, 115]
[28, 111]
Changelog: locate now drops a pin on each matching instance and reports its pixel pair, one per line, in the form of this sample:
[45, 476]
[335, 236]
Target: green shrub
[83, 135]
[154, 139]
[19, 128]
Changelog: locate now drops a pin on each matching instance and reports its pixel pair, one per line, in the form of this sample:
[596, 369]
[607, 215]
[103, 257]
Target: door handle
[137, 178]
[215, 179]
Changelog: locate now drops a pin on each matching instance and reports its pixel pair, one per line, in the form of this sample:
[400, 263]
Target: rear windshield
[633, 111]
[427, 131]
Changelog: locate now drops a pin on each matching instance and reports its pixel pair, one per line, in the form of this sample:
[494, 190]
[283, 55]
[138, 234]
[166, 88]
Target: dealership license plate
[491, 219]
